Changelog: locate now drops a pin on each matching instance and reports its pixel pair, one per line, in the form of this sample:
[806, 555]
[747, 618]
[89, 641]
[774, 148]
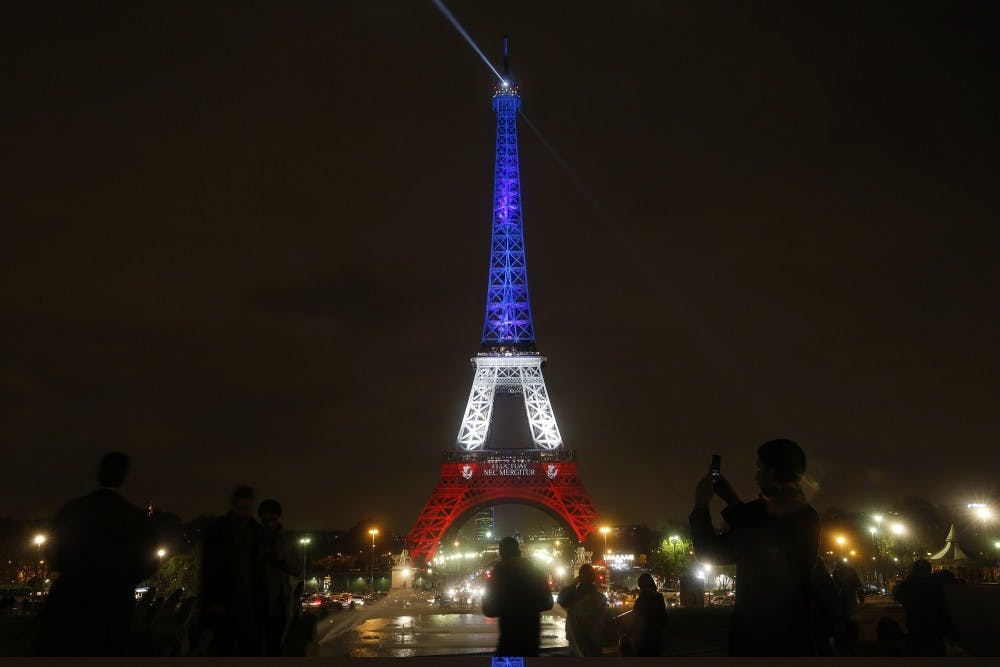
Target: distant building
[484, 525]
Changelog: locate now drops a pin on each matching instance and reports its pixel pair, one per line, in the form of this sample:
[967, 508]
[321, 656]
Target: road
[404, 624]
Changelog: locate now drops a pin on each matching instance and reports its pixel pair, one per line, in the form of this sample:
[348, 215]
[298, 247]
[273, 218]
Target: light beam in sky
[461, 31]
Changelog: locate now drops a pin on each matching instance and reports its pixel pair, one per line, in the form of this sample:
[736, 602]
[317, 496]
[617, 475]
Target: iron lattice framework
[544, 476]
[508, 309]
[513, 373]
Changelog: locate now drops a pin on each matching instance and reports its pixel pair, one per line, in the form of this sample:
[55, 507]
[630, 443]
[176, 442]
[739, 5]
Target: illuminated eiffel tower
[474, 475]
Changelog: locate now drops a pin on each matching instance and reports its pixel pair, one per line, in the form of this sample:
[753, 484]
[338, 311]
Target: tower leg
[479, 410]
[544, 429]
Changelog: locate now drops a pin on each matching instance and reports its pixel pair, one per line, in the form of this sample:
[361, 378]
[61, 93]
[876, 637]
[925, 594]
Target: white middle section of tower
[512, 373]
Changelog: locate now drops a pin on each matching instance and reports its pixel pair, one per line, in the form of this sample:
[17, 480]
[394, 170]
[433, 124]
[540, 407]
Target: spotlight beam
[458, 26]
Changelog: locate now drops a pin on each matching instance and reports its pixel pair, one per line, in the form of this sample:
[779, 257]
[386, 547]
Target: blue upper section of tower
[508, 325]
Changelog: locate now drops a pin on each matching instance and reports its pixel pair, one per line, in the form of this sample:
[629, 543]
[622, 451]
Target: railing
[503, 455]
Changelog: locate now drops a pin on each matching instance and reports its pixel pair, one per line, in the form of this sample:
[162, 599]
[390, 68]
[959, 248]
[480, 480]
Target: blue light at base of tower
[508, 324]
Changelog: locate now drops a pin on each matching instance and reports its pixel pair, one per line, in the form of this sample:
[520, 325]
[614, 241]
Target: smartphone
[716, 468]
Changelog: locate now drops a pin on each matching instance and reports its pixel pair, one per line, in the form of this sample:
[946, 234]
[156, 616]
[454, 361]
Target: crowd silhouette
[104, 547]
[787, 603]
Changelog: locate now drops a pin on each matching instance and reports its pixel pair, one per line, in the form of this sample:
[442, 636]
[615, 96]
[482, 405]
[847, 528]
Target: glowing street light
[160, 553]
[373, 532]
[604, 531]
[898, 529]
[304, 542]
[39, 540]
[841, 541]
[982, 512]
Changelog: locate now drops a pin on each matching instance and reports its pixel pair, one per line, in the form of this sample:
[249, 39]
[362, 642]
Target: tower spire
[508, 325]
[506, 62]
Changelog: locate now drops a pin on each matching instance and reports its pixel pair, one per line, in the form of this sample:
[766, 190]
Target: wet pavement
[406, 625]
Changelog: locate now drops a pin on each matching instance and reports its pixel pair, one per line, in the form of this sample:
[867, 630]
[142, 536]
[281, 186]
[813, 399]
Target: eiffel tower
[543, 475]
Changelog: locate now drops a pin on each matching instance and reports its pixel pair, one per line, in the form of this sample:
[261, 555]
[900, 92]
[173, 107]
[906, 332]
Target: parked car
[671, 596]
[313, 603]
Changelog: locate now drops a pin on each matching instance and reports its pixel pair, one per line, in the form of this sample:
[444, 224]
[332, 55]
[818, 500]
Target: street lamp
[982, 512]
[840, 540]
[373, 532]
[604, 531]
[39, 541]
[304, 542]
[877, 557]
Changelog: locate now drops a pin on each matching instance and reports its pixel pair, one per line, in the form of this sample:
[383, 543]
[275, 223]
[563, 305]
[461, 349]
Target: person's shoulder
[808, 514]
[803, 513]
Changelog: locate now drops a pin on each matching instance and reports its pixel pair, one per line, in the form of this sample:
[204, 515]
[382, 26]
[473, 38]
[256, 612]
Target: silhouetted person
[231, 590]
[926, 620]
[846, 584]
[517, 594]
[773, 541]
[276, 568]
[824, 606]
[102, 546]
[649, 619]
[584, 606]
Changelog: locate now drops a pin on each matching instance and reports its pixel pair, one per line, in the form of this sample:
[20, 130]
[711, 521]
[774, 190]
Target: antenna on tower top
[506, 64]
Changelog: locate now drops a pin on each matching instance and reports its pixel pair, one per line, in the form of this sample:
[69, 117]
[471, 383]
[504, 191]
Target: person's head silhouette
[921, 568]
[509, 548]
[780, 464]
[113, 469]
[587, 576]
[269, 512]
[242, 501]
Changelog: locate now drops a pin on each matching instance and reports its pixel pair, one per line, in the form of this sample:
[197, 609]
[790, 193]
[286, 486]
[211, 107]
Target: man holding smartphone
[774, 541]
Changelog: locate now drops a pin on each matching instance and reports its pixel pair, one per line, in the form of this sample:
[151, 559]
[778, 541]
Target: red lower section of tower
[545, 480]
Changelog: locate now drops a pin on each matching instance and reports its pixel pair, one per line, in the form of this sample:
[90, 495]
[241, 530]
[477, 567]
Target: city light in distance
[898, 528]
[161, 552]
[39, 540]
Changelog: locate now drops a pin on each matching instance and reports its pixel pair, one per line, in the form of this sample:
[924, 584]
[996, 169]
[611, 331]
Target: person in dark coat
[517, 594]
[276, 567]
[774, 542]
[232, 598]
[648, 620]
[847, 583]
[103, 546]
[926, 620]
[585, 607]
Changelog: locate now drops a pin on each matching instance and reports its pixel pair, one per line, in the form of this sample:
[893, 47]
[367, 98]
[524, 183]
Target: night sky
[248, 242]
